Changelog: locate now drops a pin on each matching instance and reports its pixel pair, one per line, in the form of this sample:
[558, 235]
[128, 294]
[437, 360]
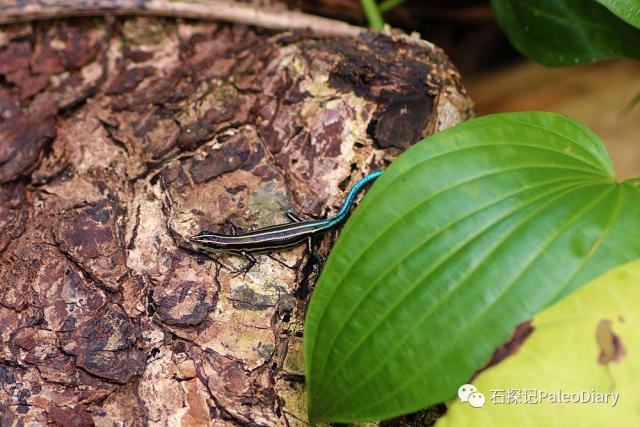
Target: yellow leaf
[588, 343]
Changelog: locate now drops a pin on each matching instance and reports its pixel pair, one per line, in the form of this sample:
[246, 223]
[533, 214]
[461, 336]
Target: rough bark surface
[119, 138]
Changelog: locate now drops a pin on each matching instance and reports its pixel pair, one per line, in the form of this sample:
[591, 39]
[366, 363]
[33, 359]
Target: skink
[280, 236]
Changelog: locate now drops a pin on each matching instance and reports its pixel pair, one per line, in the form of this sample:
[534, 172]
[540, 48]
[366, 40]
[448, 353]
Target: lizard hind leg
[312, 252]
[216, 257]
[251, 261]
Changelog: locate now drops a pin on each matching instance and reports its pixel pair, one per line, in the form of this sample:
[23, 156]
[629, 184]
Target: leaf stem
[372, 12]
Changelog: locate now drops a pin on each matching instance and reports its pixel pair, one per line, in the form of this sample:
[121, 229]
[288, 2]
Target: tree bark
[119, 138]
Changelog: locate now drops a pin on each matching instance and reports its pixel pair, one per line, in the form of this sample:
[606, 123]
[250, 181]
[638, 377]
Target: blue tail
[348, 202]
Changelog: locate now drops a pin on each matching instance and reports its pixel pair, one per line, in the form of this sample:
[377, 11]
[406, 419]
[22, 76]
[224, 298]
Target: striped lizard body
[280, 236]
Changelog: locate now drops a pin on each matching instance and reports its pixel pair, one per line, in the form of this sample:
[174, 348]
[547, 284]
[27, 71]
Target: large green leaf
[467, 234]
[567, 32]
[628, 10]
[589, 341]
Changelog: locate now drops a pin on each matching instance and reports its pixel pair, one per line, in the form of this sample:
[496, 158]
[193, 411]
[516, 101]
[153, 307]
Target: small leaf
[589, 341]
[567, 32]
[466, 235]
[627, 10]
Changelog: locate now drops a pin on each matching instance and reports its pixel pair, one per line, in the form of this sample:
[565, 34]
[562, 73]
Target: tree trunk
[119, 139]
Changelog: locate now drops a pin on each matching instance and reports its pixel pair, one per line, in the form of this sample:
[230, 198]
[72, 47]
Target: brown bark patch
[68, 417]
[14, 209]
[377, 69]
[129, 79]
[92, 237]
[104, 346]
[23, 139]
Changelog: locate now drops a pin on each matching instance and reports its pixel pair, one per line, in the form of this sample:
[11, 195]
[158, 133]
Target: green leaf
[588, 341]
[567, 32]
[627, 10]
[467, 234]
